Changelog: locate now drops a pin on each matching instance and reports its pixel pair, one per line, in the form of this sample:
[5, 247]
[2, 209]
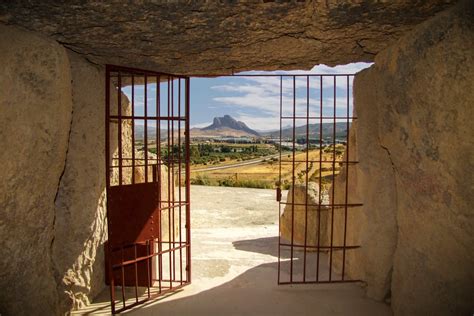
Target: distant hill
[313, 131]
[227, 126]
[220, 127]
[224, 126]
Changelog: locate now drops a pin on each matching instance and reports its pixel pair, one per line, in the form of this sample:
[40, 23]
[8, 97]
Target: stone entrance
[412, 137]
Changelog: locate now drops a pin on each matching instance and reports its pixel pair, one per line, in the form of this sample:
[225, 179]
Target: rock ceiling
[209, 37]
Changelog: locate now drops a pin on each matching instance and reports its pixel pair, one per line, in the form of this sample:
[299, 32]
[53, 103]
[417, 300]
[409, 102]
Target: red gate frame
[134, 210]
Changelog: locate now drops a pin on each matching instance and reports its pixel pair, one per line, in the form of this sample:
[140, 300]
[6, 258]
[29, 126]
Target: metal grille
[148, 196]
[315, 117]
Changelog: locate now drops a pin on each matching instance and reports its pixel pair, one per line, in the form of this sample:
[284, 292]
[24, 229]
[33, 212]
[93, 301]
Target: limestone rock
[421, 92]
[304, 221]
[35, 118]
[215, 37]
[371, 182]
[81, 227]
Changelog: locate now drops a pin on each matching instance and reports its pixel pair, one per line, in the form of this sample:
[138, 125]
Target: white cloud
[201, 125]
[262, 95]
[259, 123]
[320, 69]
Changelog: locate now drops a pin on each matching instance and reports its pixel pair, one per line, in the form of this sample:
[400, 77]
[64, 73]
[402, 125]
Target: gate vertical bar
[318, 250]
[172, 210]
[346, 200]
[169, 182]
[306, 181]
[133, 129]
[122, 270]
[145, 142]
[279, 181]
[107, 184]
[119, 122]
[179, 184]
[188, 185]
[333, 179]
[159, 162]
[293, 180]
[136, 272]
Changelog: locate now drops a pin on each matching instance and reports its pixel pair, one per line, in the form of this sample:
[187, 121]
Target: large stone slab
[214, 37]
[418, 110]
[35, 118]
[305, 225]
[80, 227]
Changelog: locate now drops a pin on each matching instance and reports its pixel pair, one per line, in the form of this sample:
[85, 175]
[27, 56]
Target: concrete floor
[234, 265]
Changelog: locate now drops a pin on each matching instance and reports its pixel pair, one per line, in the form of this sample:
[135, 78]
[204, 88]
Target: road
[239, 164]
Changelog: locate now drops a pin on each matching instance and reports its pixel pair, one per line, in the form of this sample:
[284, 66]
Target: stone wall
[52, 186]
[35, 117]
[415, 145]
[80, 227]
[52, 190]
[300, 223]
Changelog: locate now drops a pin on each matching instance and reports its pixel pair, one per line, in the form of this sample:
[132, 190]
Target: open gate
[314, 240]
[147, 172]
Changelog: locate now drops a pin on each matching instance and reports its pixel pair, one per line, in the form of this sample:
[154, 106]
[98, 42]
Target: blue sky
[256, 100]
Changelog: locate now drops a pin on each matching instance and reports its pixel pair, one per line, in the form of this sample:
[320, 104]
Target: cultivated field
[266, 174]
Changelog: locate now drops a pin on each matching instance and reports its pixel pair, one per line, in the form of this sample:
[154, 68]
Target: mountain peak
[228, 122]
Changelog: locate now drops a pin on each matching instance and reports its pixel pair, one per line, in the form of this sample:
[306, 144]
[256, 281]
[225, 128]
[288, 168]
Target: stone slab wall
[415, 141]
[52, 188]
[80, 227]
[35, 117]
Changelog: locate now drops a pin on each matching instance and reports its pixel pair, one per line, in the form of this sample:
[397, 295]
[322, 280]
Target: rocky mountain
[227, 124]
[220, 127]
[313, 131]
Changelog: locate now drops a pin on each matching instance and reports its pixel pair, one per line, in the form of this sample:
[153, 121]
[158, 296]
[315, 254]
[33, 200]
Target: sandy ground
[235, 266]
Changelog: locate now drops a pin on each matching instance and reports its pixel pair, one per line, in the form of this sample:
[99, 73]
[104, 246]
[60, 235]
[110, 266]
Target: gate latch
[278, 194]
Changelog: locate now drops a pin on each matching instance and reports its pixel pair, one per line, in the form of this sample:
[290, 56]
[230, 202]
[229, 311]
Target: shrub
[201, 180]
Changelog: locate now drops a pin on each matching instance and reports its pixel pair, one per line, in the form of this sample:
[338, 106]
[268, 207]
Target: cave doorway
[148, 181]
[316, 242]
[148, 252]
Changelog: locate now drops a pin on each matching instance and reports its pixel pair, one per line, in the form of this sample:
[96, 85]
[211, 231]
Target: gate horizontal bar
[323, 205]
[270, 75]
[319, 247]
[129, 262]
[142, 243]
[149, 118]
[319, 118]
[142, 72]
[322, 161]
[319, 282]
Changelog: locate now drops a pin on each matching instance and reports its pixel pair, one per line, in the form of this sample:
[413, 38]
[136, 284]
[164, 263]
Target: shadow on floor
[255, 292]
[266, 246]
[269, 246]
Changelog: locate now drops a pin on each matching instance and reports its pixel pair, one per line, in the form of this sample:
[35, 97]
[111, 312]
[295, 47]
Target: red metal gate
[313, 239]
[148, 198]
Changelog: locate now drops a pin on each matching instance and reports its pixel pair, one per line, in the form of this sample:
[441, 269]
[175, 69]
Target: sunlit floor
[235, 266]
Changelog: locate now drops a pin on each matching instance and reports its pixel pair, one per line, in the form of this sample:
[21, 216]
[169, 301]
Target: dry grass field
[266, 174]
